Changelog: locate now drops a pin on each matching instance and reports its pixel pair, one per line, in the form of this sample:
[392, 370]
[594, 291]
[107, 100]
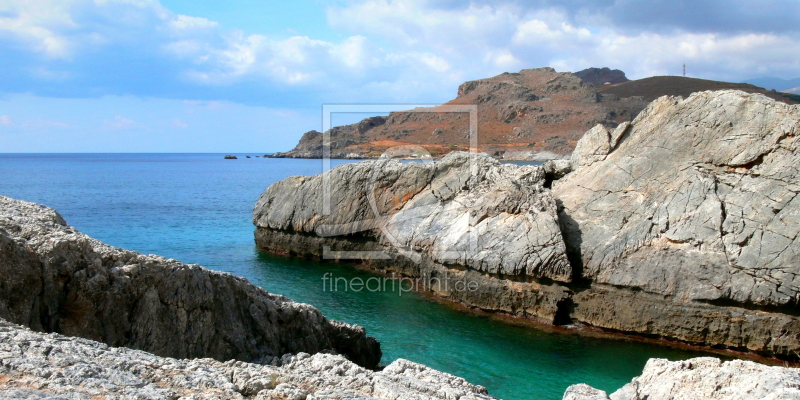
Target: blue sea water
[197, 208]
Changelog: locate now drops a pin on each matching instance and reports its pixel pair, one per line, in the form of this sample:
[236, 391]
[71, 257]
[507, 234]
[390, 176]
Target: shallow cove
[197, 208]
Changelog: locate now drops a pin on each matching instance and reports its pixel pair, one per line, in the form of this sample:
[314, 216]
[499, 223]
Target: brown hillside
[657, 86]
[536, 113]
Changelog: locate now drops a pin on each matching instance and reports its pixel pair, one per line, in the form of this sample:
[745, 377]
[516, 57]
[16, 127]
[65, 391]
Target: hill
[657, 86]
[533, 114]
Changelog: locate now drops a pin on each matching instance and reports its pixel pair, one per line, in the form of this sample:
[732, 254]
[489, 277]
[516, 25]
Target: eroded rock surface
[701, 378]
[464, 210]
[680, 224]
[36, 366]
[697, 202]
[56, 279]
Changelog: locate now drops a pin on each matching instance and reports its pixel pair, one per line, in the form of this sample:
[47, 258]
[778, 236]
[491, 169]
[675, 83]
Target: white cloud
[390, 50]
[5, 120]
[508, 37]
[185, 22]
[36, 24]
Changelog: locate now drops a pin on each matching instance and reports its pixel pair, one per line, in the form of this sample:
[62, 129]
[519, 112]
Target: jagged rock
[697, 202]
[56, 279]
[36, 366]
[681, 224]
[593, 146]
[456, 224]
[583, 391]
[556, 169]
[701, 378]
[432, 209]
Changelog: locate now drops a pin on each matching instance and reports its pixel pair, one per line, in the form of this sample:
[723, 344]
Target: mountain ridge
[535, 114]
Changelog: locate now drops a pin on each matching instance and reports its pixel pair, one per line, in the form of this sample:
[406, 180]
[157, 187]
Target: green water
[197, 208]
[514, 362]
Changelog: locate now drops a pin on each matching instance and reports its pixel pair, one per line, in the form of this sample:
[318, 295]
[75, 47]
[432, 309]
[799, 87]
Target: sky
[252, 76]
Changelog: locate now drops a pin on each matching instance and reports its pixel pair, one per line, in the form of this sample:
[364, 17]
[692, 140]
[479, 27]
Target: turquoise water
[197, 208]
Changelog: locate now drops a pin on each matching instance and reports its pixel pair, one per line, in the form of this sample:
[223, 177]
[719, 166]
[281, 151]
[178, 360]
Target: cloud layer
[390, 51]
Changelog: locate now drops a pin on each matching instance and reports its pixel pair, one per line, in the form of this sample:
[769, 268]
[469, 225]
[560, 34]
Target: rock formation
[694, 202]
[534, 114]
[56, 279]
[601, 76]
[38, 366]
[701, 378]
[423, 219]
[680, 224]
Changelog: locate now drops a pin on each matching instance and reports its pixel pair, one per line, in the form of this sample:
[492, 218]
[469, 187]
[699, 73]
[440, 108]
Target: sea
[197, 208]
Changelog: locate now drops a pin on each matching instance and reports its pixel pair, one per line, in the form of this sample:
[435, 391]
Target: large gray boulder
[51, 366]
[466, 210]
[697, 201]
[56, 279]
[703, 378]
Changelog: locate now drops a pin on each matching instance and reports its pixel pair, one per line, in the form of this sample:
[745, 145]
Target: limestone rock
[697, 201]
[37, 366]
[703, 378]
[556, 169]
[583, 391]
[463, 210]
[593, 147]
[680, 224]
[57, 279]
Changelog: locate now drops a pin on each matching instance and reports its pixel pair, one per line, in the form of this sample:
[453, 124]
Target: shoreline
[532, 322]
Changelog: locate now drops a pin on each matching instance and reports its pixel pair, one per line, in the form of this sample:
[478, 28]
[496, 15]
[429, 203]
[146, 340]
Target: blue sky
[251, 76]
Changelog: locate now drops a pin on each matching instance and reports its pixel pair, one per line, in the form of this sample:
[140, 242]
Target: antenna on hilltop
[684, 70]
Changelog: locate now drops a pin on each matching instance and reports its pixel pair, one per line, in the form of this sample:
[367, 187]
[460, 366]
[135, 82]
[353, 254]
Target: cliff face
[695, 200]
[39, 366]
[679, 224]
[56, 279]
[536, 113]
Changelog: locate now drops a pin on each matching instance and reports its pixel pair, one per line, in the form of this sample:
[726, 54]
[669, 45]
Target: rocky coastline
[36, 365]
[656, 231]
[649, 229]
[57, 279]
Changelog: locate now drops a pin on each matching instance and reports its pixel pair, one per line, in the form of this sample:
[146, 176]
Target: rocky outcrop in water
[49, 366]
[460, 223]
[466, 210]
[679, 224]
[56, 279]
[695, 202]
[701, 378]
